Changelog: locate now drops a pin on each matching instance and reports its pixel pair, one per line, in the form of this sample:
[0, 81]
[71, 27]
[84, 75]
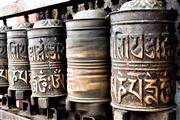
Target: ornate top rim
[4, 28]
[22, 26]
[90, 14]
[48, 23]
[139, 10]
[142, 5]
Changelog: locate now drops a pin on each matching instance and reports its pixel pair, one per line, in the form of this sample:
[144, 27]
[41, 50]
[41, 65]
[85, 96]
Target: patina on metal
[88, 57]
[91, 111]
[142, 52]
[3, 60]
[18, 63]
[47, 59]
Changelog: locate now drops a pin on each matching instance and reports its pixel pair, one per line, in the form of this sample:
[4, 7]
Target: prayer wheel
[47, 58]
[18, 62]
[88, 57]
[3, 63]
[142, 51]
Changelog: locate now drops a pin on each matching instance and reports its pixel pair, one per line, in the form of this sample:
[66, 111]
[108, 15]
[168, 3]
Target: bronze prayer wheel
[3, 63]
[18, 63]
[47, 58]
[142, 52]
[88, 57]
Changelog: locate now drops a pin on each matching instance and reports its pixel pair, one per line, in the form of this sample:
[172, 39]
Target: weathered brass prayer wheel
[88, 57]
[47, 58]
[3, 63]
[142, 51]
[18, 63]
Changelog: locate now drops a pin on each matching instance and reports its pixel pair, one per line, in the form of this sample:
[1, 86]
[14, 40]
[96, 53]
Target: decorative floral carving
[48, 23]
[23, 26]
[4, 28]
[142, 4]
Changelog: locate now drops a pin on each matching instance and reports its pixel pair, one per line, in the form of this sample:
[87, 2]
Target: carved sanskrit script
[17, 51]
[146, 90]
[3, 52]
[4, 73]
[16, 75]
[148, 46]
[42, 82]
[42, 52]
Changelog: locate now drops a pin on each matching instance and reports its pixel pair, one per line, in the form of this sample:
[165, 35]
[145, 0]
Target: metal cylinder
[3, 63]
[47, 58]
[88, 57]
[18, 63]
[142, 53]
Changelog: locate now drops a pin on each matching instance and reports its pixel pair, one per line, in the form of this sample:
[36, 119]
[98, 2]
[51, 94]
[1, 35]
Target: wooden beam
[27, 6]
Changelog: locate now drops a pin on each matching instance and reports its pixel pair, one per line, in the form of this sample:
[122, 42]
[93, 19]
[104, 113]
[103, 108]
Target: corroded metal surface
[88, 59]
[142, 51]
[90, 111]
[18, 63]
[3, 61]
[47, 58]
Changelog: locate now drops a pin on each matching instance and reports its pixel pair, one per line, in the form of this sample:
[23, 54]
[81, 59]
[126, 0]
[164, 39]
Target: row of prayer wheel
[132, 54]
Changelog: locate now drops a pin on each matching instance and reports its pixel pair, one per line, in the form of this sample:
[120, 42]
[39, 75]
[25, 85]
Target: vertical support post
[121, 114]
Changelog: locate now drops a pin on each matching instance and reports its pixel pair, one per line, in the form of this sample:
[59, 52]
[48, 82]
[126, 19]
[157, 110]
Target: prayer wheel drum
[88, 57]
[3, 63]
[18, 63]
[142, 53]
[47, 58]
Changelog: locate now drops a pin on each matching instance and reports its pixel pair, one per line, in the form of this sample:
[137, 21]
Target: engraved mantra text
[16, 75]
[3, 51]
[148, 93]
[4, 73]
[151, 46]
[41, 82]
[43, 52]
[17, 51]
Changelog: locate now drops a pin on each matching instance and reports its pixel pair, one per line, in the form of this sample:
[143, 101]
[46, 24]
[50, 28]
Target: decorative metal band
[142, 109]
[87, 100]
